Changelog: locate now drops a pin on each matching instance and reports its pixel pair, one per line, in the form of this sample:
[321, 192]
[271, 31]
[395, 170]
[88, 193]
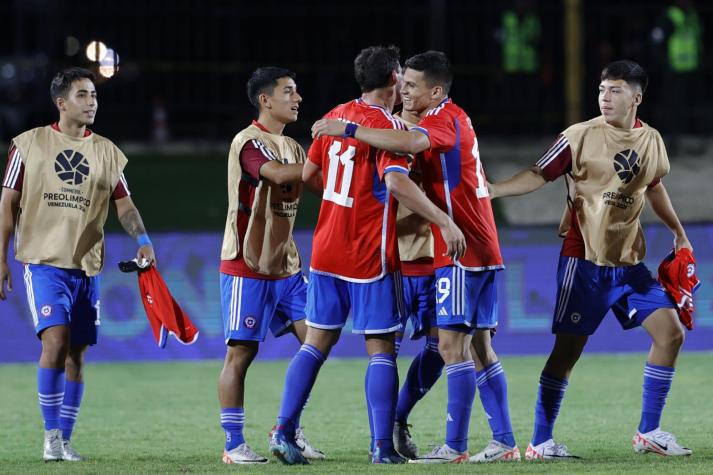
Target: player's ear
[638, 98]
[59, 102]
[264, 101]
[436, 91]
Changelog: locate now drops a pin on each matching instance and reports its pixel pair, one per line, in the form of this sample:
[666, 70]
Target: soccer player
[615, 163]
[355, 257]
[466, 292]
[262, 285]
[416, 252]
[59, 182]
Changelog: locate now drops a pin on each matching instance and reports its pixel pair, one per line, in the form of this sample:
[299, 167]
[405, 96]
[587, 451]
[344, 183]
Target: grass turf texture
[163, 418]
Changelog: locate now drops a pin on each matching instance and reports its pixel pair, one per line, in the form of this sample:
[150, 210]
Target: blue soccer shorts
[63, 297]
[465, 300]
[251, 307]
[420, 304]
[586, 292]
[376, 307]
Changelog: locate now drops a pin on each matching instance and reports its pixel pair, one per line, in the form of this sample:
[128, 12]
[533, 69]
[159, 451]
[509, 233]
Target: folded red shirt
[677, 274]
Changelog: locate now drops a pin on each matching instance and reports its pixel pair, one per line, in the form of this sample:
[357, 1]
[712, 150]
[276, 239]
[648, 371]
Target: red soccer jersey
[355, 237]
[454, 180]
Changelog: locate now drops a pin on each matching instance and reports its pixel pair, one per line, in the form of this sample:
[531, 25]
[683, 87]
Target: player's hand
[146, 252]
[331, 127]
[455, 241]
[491, 190]
[682, 241]
[5, 280]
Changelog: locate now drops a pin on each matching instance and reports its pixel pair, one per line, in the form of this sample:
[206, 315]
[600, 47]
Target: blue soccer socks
[300, 377]
[461, 391]
[381, 386]
[549, 397]
[73, 392]
[232, 420]
[50, 391]
[493, 389]
[423, 373]
[657, 382]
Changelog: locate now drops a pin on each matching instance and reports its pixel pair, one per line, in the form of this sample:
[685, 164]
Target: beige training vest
[66, 190]
[612, 168]
[414, 232]
[268, 246]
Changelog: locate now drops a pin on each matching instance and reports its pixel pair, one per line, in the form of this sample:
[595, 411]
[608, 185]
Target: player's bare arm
[130, 220]
[409, 195]
[395, 141]
[280, 173]
[9, 204]
[661, 204]
[522, 183]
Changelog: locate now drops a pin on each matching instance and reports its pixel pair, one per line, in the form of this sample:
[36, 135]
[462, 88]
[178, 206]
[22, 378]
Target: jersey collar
[260, 126]
[55, 126]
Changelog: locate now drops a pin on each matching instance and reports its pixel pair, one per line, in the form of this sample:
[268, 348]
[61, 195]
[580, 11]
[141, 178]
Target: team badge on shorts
[575, 317]
[46, 310]
[250, 322]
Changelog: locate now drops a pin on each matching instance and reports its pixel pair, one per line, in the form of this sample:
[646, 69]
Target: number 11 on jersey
[340, 197]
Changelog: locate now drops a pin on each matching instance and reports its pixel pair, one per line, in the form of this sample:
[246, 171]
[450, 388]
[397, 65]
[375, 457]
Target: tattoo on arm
[132, 224]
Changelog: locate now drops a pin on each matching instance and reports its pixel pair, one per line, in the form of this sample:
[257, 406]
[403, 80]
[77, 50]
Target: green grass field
[163, 418]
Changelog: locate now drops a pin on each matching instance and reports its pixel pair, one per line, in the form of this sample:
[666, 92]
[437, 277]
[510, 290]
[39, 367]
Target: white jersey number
[443, 287]
[340, 197]
[482, 190]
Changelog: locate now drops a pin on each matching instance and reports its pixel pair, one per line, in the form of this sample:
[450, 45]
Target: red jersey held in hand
[677, 274]
[162, 311]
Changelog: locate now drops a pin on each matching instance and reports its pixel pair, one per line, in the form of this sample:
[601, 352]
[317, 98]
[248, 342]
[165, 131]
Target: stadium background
[177, 96]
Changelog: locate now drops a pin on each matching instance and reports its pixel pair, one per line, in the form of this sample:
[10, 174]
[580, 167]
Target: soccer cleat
[443, 454]
[548, 450]
[69, 454]
[242, 454]
[307, 449]
[497, 452]
[658, 442]
[53, 446]
[286, 450]
[403, 442]
[388, 455]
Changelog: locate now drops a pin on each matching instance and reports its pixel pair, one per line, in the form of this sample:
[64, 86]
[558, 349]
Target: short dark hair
[62, 82]
[629, 71]
[373, 66]
[264, 81]
[435, 67]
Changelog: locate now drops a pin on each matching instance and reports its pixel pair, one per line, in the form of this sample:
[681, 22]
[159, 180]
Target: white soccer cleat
[307, 449]
[53, 446]
[443, 454]
[69, 454]
[497, 452]
[658, 442]
[548, 450]
[242, 454]
[403, 442]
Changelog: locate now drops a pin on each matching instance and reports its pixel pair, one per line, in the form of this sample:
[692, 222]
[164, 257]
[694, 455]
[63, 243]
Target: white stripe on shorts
[566, 289]
[30, 294]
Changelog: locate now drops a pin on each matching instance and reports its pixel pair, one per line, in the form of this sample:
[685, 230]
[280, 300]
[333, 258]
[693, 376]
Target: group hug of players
[405, 232]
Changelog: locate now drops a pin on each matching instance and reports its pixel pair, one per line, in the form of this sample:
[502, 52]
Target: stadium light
[96, 51]
[109, 64]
